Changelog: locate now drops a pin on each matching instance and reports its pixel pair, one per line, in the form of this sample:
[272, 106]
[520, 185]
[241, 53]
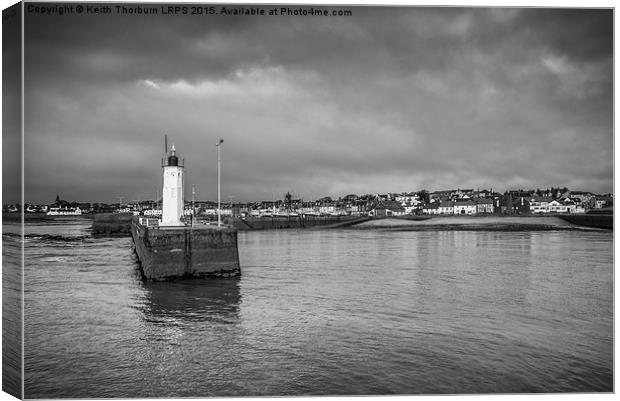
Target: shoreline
[477, 227]
[110, 224]
[492, 223]
[15, 217]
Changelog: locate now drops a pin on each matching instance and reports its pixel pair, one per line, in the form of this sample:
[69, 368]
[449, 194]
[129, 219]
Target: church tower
[172, 191]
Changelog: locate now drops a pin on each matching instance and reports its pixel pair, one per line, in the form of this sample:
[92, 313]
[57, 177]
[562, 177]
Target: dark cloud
[581, 34]
[11, 106]
[391, 99]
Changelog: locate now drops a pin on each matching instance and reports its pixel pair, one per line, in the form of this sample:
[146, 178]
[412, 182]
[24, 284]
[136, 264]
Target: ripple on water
[325, 312]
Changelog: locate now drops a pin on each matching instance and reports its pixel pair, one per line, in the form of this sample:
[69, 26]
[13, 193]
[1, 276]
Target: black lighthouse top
[172, 159]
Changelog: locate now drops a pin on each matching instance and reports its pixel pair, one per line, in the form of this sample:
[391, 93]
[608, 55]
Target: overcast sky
[387, 100]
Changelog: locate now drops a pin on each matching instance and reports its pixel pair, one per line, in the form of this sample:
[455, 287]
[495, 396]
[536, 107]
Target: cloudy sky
[390, 99]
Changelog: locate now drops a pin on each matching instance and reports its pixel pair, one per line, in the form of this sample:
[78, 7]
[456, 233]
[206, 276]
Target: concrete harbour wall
[591, 220]
[167, 253]
[267, 223]
[112, 224]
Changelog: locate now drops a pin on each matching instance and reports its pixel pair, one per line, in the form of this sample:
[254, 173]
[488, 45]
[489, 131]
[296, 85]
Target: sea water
[322, 312]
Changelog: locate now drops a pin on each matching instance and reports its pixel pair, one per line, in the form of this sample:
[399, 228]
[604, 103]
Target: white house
[557, 207]
[408, 199]
[327, 209]
[64, 211]
[565, 207]
[354, 210]
[410, 209]
[467, 207]
[152, 212]
[540, 204]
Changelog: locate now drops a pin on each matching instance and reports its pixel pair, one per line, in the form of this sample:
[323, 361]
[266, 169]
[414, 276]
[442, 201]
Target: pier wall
[119, 225]
[591, 220]
[112, 224]
[275, 223]
[186, 252]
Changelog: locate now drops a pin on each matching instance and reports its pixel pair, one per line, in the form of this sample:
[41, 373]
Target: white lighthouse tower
[172, 191]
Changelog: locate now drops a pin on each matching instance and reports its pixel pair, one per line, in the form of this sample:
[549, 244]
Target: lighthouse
[170, 249]
[172, 191]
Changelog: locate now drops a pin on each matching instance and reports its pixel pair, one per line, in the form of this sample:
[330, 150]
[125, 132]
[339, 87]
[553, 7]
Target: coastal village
[445, 202]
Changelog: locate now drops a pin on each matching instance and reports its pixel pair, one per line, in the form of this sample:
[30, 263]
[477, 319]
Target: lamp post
[219, 160]
[193, 207]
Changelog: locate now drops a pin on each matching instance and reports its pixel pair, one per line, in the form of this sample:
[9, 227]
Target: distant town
[445, 202]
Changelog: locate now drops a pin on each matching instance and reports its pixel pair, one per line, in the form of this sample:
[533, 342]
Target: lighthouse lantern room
[172, 191]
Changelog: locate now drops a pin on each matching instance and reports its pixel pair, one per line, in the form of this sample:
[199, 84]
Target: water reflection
[203, 300]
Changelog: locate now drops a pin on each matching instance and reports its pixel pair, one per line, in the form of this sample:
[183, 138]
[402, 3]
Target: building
[521, 204]
[463, 193]
[388, 209]
[446, 207]
[485, 193]
[408, 199]
[580, 197]
[602, 201]
[430, 208]
[555, 206]
[441, 195]
[327, 208]
[64, 211]
[465, 207]
[540, 204]
[152, 212]
[411, 209]
[484, 205]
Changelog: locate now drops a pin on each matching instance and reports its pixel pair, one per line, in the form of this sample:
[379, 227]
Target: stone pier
[175, 252]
